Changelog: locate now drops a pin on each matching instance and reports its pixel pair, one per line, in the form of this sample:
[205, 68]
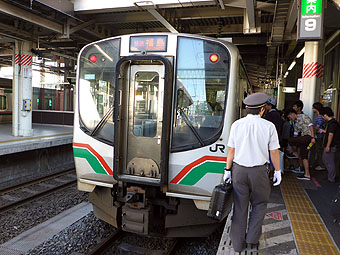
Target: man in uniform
[251, 140]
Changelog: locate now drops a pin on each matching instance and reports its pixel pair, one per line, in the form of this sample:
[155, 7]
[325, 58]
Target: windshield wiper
[102, 121]
[187, 121]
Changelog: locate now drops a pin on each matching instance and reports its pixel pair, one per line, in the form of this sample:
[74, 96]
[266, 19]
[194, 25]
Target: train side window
[243, 84]
[3, 102]
[202, 81]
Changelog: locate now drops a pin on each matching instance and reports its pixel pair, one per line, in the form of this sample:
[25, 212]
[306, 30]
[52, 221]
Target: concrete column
[312, 75]
[22, 89]
[66, 88]
[280, 95]
[336, 80]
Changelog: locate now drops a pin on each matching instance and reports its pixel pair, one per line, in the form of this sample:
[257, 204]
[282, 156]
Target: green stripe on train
[199, 171]
[91, 159]
[6, 113]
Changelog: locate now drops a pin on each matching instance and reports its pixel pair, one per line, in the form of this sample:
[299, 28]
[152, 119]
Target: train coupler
[135, 197]
[135, 220]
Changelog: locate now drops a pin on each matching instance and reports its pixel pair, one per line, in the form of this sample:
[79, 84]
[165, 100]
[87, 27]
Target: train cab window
[96, 88]
[244, 86]
[3, 103]
[145, 104]
[202, 82]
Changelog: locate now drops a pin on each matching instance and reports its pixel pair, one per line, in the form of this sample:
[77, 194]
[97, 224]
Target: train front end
[152, 116]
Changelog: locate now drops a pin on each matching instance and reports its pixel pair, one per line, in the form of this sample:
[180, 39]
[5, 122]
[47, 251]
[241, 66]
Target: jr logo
[220, 147]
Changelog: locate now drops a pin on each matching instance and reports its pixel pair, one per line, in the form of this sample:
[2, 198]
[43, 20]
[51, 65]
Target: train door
[142, 132]
[145, 119]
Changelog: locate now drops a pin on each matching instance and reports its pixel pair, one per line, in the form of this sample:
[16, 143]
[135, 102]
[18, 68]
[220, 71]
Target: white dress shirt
[252, 137]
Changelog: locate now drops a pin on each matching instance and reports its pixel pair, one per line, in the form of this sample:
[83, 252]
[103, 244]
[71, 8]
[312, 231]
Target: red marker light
[93, 59]
[214, 58]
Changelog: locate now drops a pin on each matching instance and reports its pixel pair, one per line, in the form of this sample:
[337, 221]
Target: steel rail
[35, 181]
[172, 248]
[25, 200]
[108, 242]
[105, 244]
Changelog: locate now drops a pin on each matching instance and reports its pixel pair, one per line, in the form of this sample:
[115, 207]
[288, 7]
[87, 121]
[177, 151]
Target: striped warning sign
[23, 60]
[314, 69]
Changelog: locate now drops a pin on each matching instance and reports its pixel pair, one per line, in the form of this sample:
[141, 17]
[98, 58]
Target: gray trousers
[328, 159]
[250, 184]
[315, 155]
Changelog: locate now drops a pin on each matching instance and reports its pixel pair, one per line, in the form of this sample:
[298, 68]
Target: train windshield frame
[97, 72]
[202, 80]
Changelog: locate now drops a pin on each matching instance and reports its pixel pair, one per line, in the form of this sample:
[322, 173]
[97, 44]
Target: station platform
[44, 136]
[297, 221]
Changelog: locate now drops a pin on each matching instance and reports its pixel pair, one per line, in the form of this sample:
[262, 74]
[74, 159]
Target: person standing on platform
[303, 136]
[251, 139]
[273, 115]
[298, 106]
[317, 150]
[331, 142]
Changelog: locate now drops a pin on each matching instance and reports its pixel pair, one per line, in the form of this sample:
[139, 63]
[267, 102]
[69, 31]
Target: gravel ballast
[80, 237]
[22, 218]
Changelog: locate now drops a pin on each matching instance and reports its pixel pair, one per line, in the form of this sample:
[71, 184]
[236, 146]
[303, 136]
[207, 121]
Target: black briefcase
[221, 201]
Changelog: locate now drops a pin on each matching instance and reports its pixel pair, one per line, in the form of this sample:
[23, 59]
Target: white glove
[277, 178]
[227, 176]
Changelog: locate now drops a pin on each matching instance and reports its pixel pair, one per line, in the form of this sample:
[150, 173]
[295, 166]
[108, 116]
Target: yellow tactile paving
[297, 209]
[308, 248]
[292, 201]
[303, 217]
[312, 227]
[311, 236]
[294, 192]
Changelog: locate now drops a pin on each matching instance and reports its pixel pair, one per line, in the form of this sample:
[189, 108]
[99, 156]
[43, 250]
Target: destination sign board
[310, 22]
[148, 43]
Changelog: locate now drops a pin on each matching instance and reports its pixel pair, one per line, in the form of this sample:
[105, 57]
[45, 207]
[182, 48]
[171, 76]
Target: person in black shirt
[331, 142]
[273, 115]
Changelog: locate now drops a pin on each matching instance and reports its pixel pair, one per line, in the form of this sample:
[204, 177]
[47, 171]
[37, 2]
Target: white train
[152, 118]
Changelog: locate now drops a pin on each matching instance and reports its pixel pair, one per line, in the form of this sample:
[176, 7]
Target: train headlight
[214, 58]
[93, 59]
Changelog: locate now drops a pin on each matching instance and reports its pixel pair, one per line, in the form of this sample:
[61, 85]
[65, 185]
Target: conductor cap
[256, 100]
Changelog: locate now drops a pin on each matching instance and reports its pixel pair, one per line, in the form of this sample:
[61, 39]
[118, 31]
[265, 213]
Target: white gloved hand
[277, 178]
[227, 176]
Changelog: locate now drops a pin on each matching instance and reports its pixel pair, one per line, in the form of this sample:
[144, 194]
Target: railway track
[106, 243]
[35, 181]
[117, 241]
[10, 201]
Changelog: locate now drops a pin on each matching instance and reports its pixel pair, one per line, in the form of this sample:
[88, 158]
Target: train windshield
[202, 82]
[97, 68]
